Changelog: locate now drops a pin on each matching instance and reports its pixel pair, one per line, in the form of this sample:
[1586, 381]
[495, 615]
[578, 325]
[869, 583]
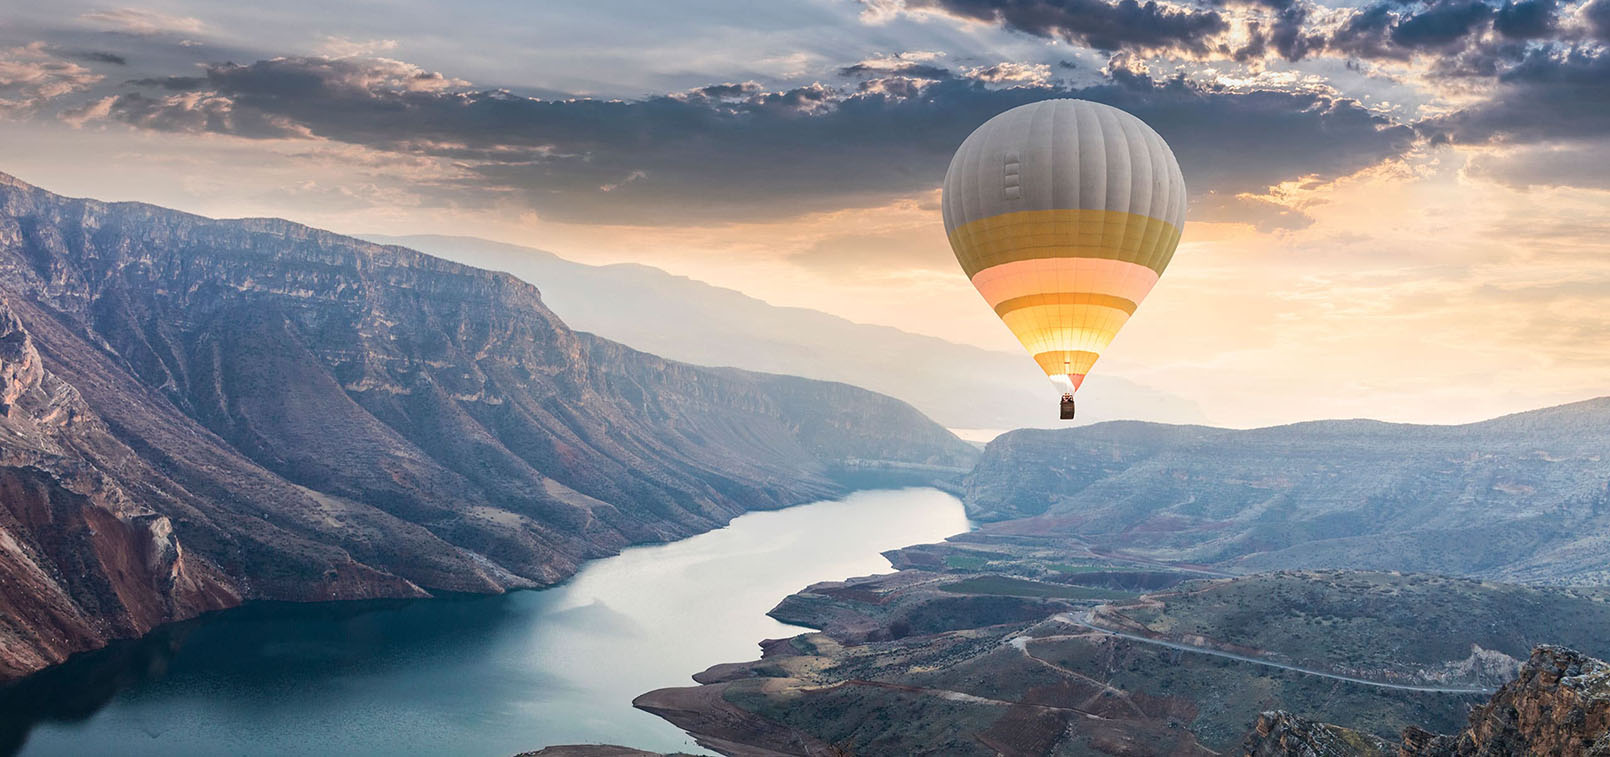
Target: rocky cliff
[1526, 496]
[1559, 704]
[202, 412]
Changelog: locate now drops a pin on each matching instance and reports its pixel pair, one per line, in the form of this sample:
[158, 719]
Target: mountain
[199, 413]
[962, 387]
[1519, 498]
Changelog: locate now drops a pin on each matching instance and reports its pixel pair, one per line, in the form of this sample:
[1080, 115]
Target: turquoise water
[473, 676]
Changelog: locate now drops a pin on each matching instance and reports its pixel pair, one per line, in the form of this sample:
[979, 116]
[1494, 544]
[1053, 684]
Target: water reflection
[465, 675]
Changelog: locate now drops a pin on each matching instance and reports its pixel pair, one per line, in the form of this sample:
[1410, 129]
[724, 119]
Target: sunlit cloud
[144, 22]
[32, 75]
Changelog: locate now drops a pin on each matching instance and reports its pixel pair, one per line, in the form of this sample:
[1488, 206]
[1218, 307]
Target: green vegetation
[965, 562]
[1381, 622]
[1018, 587]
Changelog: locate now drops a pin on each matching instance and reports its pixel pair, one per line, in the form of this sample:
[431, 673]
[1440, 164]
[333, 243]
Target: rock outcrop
[197, 413]
[1282, 734]
[1560, 705]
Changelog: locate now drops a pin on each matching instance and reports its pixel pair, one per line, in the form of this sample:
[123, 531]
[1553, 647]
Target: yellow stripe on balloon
[1065, 327]
[1064, 233]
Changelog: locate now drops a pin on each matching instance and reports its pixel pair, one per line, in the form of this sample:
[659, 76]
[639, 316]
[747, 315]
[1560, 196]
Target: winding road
[1082, 620]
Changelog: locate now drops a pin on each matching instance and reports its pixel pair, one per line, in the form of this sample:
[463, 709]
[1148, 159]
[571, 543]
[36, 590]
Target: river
[471, 676]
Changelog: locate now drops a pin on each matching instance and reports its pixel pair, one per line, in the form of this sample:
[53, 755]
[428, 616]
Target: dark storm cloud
[733, 151]
[1441, 25]
[727, 91]
[100, 57]
[912, 70]
[1126, 24]
[1367, 34]
[1552, 94]
[1532, 19]
[1397, 30]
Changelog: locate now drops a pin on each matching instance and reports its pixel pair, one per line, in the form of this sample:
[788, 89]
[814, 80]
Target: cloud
[1546, 165]
[1552, 94]
[1261, 213]
[1597, 14]
[144, 22]
[342, 47]
[1393, 29]
[1038, 74]
[1442, 25]
[1122, 25]
[32, 75]
[1530, 19]
[739, 151]
[916, 65]
[100, 57]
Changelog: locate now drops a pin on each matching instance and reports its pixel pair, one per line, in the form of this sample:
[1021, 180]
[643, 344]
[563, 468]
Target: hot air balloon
[1064, 213]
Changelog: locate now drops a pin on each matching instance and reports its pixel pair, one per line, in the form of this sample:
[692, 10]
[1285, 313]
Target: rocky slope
[1525, 496]
[201, 412]
[1281, 734]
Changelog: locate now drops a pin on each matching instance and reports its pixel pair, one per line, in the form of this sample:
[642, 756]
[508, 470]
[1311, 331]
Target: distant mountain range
[198, 413]
[1524, 497]
[960, 386]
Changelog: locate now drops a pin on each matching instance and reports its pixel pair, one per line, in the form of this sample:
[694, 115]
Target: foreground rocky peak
[1558, 705]
[272, 411]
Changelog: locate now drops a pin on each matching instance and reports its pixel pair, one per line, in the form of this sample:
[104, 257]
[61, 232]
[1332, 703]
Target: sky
[1399, 209]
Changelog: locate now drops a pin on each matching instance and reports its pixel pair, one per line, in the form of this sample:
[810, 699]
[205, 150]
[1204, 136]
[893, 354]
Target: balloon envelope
[1064, 213]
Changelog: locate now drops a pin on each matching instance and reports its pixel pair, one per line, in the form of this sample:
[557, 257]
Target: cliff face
[1527, 496]
[80, 557]
[1560, 704]
[201, 412]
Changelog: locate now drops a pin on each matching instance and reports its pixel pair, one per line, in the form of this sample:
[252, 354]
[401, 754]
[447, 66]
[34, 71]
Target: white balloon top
[1063, 154]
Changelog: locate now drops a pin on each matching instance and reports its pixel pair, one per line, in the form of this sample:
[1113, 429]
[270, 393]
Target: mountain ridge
[692, 320]
[1527, 495]
[258, 409]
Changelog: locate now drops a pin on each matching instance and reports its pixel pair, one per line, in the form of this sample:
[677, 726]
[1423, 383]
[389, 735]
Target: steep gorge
[202, 412]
